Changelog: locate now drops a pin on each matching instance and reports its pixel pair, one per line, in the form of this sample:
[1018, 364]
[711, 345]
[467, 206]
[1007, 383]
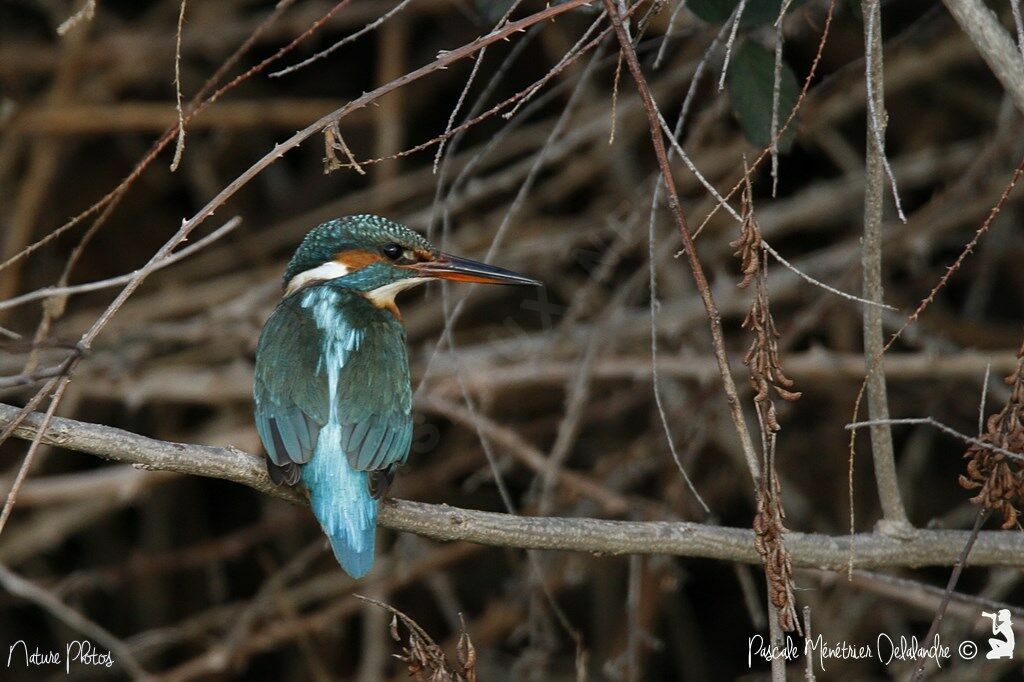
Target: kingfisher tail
[341, 501]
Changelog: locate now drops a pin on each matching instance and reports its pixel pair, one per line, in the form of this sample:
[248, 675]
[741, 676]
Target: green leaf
[750, 82]
[756, 13]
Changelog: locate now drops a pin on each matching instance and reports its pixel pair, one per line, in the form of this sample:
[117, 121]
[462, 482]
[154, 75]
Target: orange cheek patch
[357, 259]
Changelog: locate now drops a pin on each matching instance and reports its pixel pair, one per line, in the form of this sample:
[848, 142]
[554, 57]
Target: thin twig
[655, 378]
[652, 261]
[766, 151]
[572, 54]
[577, 391]
[875, 97]
[680, 4]
[979, 521]
[179, 146]
[458, 106]
[1018, 23]
[776, 92]
[36, 374]
[85, 14]
[984, 396]
[696, 269]
[693, 169]
[954, 578]
[372, 26]
[615, 99]
[807, 278]
[26, 463]
[465, 89]
[47, 292]
[994, 44]
[732, 39]
[929, 421]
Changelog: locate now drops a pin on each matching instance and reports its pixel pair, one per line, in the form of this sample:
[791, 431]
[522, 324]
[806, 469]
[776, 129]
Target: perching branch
[443, 60]
[441, 522]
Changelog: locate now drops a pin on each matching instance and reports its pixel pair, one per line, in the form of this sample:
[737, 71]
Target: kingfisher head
[380, 258]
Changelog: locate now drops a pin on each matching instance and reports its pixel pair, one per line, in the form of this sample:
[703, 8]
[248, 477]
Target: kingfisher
[332, 391]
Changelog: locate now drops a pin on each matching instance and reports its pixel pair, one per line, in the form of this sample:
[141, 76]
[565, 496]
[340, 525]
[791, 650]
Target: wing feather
[310, 335]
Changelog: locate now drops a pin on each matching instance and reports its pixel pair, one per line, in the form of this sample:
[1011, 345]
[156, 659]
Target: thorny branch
[696, 269]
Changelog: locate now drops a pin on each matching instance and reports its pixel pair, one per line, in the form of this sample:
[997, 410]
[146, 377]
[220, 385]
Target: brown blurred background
[186, 569]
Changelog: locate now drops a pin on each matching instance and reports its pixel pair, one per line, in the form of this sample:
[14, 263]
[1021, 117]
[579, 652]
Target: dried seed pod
[423, 658]
[999, 479]
[748, 245]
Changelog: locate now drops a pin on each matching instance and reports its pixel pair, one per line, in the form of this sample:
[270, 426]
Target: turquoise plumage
[336, 398]
[332, 393]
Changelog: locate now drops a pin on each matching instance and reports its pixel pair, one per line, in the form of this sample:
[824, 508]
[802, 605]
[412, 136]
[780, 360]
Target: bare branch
[47, 292]
[807, 278]
[696, 269]
[729, 43]
[876, 168]
[441, 522]
[179, 146]
[372, 26]
[954, 578]
[993, 43]
[877, 116]
[680, 4]
[929, 421]
[84, 15]
[1018, 23]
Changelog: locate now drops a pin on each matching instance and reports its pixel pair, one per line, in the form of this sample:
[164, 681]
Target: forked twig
[929, 421]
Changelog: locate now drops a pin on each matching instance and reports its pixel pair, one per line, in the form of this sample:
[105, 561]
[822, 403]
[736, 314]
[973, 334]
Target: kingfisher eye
[392, 251]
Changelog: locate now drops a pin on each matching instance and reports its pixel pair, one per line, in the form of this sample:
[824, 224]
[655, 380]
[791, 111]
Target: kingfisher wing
[374, 392]
[327, 353]
[291, 401]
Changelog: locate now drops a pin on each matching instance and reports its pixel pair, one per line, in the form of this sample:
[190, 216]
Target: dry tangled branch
[582, 143]
[999, 479]
[423, 658]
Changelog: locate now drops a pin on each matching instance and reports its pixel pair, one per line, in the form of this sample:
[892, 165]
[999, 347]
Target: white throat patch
[384, 297]
[321, 273]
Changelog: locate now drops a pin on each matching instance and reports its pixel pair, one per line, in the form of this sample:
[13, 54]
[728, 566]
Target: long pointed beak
[458, 269]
